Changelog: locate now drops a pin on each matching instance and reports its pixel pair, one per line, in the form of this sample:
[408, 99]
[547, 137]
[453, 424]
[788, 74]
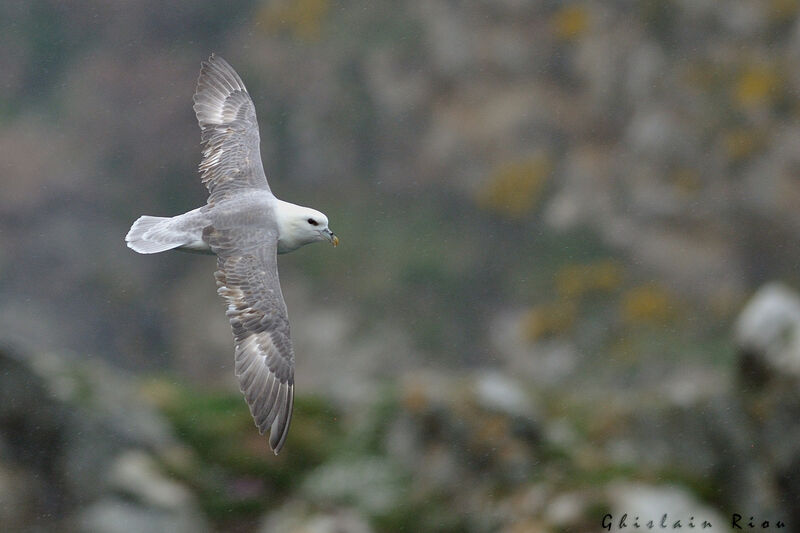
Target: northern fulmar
[245, 226]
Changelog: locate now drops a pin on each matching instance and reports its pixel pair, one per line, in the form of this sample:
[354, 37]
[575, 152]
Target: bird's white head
[298, 226]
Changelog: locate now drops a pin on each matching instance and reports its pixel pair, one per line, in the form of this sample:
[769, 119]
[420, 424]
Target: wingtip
[280, 429]
[213, 61]
[217, 61]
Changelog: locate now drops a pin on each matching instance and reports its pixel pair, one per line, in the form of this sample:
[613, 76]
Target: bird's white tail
[149, 235]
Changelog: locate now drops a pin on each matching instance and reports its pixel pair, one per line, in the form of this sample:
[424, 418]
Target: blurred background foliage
[552, 215]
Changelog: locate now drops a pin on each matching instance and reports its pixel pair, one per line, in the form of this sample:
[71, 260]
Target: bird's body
[185, 232]
[245, 226]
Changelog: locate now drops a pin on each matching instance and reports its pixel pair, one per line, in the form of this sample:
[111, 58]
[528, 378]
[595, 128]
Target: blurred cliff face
[580, 195]
[473, 154]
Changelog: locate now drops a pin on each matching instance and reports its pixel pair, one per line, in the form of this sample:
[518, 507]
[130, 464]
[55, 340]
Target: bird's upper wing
[247, 278]
[227, 118]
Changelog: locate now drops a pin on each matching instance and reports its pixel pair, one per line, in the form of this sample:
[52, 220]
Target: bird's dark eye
[312, 222]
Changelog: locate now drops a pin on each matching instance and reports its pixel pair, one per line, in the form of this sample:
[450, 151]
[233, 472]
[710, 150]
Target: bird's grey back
[248, 215]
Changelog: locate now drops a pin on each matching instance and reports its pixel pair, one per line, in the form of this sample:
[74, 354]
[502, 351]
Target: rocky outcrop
[79, 449]
[768, 338]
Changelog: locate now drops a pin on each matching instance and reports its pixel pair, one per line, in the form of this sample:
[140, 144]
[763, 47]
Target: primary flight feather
[245, 226]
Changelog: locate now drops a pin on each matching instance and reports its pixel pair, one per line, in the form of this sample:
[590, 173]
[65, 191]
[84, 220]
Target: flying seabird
[245, 226]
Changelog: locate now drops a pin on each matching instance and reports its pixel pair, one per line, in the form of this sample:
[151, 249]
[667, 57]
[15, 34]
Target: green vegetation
[232, 469]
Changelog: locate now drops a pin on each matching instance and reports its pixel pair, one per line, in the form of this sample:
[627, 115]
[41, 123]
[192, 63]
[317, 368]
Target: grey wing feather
[247, 278]
[229, 131]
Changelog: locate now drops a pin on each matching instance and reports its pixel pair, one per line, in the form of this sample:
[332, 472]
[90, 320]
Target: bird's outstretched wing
[227, 118]
[247, 278]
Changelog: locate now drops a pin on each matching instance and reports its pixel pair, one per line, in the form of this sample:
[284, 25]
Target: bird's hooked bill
[332, 237]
